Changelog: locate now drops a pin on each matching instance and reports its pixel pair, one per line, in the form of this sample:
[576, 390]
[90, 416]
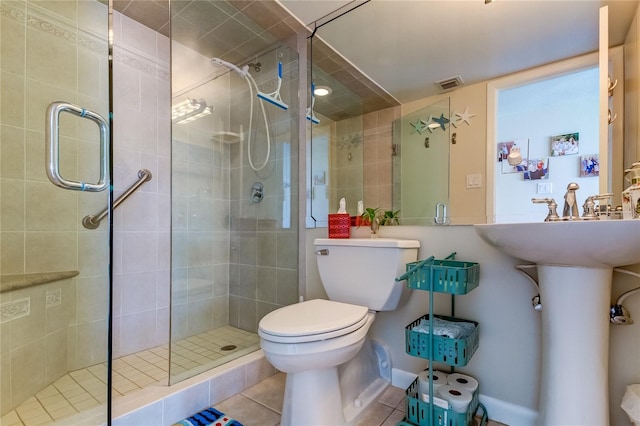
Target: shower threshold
[82, 390]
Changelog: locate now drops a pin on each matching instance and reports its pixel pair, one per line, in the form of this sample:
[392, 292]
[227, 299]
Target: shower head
[244, 71]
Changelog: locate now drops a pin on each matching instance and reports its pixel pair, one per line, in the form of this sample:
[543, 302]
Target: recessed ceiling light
[322, 91]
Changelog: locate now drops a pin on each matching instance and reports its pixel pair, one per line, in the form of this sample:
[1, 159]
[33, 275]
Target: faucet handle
[601, 209]
[552, 216]
[589, 209]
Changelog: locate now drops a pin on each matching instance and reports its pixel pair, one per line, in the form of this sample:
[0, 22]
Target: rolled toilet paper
[439, 379]
[458, 398]
[463, 381]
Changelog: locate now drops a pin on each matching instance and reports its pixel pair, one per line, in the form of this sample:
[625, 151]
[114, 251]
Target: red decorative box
[339, 225]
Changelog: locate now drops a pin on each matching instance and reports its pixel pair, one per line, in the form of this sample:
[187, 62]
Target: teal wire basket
[447, 275]
[418, 412]
[455, 352]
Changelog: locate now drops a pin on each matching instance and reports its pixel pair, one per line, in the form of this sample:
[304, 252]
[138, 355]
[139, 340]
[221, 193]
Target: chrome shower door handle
[52, 135]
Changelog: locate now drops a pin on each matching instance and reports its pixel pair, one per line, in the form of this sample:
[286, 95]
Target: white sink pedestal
[575, 345]
[575, 261]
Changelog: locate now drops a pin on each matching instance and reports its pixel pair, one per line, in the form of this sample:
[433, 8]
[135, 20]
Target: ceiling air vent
[450, 83]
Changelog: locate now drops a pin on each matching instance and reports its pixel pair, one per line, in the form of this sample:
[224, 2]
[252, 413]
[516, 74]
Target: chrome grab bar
[93, 221]
[52, 135]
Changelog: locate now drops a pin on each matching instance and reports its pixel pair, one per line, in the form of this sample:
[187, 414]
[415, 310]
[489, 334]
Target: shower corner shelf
[455, 278]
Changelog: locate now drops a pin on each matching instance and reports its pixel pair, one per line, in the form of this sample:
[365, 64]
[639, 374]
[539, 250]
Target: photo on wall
[565, 144]
[513, 155]
[537, 169]
[590, 165]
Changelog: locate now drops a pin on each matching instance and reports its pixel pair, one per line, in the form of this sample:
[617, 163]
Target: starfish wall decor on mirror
[434, 122]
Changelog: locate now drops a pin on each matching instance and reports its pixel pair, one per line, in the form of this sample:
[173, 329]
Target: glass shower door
[54, 273]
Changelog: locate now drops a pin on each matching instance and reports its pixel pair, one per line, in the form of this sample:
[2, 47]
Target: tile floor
[261, 404]
[84, 389]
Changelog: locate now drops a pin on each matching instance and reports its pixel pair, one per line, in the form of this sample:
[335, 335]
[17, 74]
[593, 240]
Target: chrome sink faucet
[570, 210]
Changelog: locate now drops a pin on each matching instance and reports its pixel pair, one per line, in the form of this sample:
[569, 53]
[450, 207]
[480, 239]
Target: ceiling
[406, 46]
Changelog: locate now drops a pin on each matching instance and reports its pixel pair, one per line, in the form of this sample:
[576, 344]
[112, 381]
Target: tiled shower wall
[51, 51]
[263, 270]
[141, 124]
[200, 200]
[377, 169]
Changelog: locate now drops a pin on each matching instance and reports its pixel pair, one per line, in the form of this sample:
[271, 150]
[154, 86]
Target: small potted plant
[390, 218]
[370, 217]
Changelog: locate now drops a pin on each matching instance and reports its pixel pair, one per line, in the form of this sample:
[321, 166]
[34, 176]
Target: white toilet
[333, 371]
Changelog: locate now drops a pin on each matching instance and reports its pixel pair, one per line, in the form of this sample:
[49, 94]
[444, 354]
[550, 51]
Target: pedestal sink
[575, 261]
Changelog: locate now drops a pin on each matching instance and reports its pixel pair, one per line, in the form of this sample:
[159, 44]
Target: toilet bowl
[327, 334]
[318, 342]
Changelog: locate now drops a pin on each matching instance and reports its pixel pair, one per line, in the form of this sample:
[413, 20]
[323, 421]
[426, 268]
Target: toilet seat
[311, 321]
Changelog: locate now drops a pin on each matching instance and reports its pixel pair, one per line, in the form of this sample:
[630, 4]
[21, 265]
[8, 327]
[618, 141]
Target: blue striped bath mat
[208, 417]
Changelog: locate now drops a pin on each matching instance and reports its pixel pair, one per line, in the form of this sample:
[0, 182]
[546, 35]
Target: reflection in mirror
[421, 166]
[335, 148]
[405, 84]
[554, 124]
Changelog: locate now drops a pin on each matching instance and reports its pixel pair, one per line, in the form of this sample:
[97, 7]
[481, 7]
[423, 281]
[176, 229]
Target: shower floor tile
[85, 389]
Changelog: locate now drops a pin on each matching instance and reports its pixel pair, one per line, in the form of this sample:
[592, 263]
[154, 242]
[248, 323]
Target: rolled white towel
[442, 327]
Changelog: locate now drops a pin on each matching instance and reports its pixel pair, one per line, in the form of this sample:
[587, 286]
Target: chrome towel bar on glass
[93, 221]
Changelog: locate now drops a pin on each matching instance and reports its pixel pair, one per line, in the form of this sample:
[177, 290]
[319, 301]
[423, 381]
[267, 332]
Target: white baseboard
[498, 410]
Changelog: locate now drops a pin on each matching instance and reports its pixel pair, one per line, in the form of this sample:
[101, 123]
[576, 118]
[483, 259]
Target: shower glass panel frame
[234, 252]
[55, 275]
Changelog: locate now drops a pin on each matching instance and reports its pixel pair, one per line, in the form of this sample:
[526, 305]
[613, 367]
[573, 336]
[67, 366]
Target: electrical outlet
[545, 188]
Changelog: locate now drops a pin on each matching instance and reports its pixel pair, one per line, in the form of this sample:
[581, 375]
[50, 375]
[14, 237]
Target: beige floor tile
[269, 392]
[394, 418]
[393, 397]
[248, 412]
[375, 415]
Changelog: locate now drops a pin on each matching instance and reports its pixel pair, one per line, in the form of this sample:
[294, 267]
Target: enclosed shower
[187, 247]
[234, 204]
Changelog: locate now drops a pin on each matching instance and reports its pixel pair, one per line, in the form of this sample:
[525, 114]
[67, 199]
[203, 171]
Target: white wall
[508, 361]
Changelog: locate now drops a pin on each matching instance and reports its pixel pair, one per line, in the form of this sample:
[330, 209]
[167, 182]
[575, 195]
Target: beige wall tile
[12, 248]
[51, 251]
[12, 39]
[12, 101]
[49, 208]
[27, 371]
[51, 60]
[12, 152]
[12, 205]
[63, 8]
[92, 299]
[56, 355]
[5, 383]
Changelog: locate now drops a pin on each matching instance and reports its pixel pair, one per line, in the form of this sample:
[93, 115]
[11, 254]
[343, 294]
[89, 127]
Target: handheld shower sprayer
[251, 83]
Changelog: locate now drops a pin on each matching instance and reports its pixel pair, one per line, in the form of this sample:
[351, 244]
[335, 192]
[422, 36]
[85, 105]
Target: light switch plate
[474, 181]
[545, 188]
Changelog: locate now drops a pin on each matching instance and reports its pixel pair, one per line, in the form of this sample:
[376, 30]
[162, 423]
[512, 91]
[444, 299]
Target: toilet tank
[362, 271]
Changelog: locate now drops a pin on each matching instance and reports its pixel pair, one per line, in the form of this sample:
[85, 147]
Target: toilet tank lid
[367, 242]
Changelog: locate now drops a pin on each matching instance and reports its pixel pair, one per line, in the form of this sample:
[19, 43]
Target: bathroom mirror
[492, 62]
